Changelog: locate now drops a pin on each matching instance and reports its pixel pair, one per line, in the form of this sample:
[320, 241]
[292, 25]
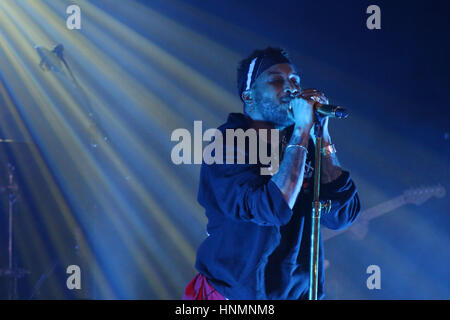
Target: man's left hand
[319, 98]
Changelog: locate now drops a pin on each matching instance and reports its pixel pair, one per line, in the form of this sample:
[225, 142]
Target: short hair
[244, 64]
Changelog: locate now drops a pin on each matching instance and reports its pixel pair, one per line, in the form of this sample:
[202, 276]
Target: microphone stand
[96, 130]
[317, 207]
[13, 273]
[97, 139]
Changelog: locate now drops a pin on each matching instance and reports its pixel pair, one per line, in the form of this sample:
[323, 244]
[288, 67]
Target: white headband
[250, 71]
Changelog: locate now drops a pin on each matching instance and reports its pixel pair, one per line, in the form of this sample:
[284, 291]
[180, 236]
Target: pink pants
[200, 289]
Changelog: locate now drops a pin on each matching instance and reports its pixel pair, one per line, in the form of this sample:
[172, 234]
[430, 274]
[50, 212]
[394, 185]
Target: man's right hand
[303, 110]
[289, 177]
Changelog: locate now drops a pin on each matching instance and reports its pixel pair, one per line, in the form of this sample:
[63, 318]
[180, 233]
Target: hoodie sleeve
[240, 192]
[345, 205]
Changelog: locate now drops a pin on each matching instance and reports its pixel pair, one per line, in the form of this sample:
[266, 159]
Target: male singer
[258, 242]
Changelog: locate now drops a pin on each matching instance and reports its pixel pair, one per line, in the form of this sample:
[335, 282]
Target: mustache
[289, 97]
[287, 100]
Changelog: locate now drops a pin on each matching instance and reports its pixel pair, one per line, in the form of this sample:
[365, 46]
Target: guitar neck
[369, 214]
[383, 208]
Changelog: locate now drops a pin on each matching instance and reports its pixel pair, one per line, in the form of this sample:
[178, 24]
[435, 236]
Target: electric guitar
[360, 228]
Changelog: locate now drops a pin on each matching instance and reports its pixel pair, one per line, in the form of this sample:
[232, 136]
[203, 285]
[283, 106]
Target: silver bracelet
[296, 145]
[327, 150]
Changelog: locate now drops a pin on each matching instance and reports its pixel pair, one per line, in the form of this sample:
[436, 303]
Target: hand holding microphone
[302, 110]
[321, 104]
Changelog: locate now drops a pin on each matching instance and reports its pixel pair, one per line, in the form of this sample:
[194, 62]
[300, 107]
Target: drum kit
[30, 268]
[24, 202]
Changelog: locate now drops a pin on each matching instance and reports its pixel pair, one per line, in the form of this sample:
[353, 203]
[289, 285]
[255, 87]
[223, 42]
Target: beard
[276, 112]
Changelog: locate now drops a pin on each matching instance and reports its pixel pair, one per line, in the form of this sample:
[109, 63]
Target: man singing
[259, 226]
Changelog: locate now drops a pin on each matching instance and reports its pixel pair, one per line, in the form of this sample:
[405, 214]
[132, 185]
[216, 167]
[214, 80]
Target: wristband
[296, 145]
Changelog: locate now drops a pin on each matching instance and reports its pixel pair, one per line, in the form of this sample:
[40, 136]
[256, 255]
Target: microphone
[49, 59]
[332, 111]
[326, 110]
